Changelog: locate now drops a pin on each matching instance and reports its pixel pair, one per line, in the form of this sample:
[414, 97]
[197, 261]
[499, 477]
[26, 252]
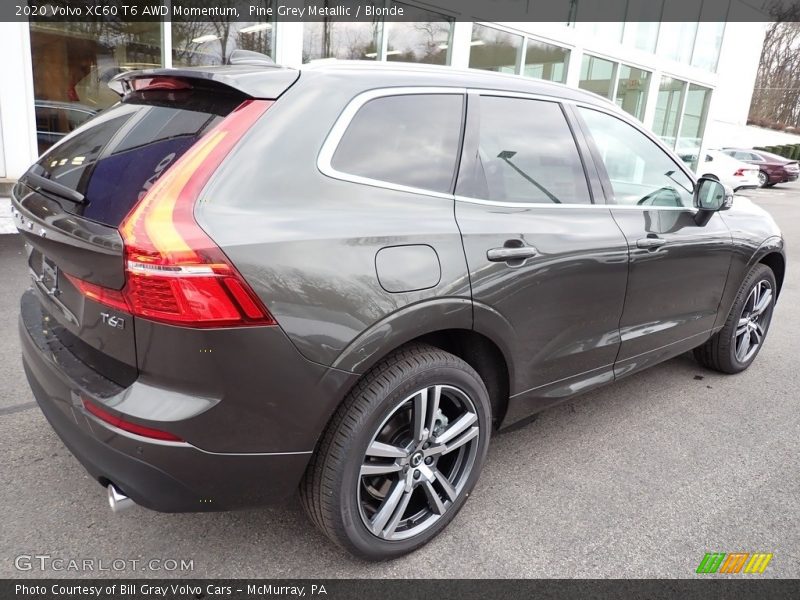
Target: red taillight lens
[112, 298]
[740, 172]
[175, 272]
[121, 423]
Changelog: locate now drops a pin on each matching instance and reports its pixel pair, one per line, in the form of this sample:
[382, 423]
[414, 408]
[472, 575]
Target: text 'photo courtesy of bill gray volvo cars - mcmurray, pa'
[250, 281]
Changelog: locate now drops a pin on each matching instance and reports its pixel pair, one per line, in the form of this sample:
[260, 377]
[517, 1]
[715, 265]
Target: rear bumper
[162, 476]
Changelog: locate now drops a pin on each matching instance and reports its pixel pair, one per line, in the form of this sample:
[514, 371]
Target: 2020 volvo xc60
[250, 280]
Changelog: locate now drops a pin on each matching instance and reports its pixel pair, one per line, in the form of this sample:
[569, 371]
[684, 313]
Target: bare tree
[776, 97]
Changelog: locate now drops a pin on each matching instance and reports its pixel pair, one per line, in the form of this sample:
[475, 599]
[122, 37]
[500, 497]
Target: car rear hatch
[70, 205]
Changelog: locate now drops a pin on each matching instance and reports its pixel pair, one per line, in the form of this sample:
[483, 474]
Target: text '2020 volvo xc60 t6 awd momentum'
[250, 280]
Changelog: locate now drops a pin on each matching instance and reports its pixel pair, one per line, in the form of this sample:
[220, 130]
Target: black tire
[331, 491]
[763, 179]
[720, 352]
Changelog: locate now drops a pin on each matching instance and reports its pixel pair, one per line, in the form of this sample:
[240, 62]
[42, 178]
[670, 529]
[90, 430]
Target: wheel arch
[776, 262]
[446, 324]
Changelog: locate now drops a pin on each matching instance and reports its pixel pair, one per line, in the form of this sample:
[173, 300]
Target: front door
[678, 269]
[548, 268]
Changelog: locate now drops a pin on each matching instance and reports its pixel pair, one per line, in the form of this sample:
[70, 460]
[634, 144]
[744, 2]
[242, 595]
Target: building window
[73, 63]
[642, 18]
[597, 75]
[632, 90]
[676, 40]
[680, 120]
[545, 61]
[346, 40]
[201, 43]
[693, 123]
[707, 45]
[426, 39]
[495, 50]
[668, 109]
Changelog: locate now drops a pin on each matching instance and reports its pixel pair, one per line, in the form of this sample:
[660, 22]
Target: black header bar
[565, 11]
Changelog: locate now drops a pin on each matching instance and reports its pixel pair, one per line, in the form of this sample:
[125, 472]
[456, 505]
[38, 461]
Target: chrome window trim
[339, 128]
[572, 205]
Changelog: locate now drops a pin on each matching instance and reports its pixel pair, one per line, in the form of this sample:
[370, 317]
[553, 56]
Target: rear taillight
[175, 273]
[121, 423]
[739, 172]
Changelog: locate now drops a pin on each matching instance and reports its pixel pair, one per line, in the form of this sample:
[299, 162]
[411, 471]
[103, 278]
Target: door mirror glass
[711, 195]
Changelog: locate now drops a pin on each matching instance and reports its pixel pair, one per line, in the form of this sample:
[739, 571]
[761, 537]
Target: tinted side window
[640, 172]
[410, 140]
[526, 153]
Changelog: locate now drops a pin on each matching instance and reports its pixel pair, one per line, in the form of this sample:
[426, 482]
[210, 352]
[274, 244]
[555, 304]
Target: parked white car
[728, 170]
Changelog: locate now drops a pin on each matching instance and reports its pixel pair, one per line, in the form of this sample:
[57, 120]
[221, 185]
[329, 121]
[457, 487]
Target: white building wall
[730, 104]
[17, 118]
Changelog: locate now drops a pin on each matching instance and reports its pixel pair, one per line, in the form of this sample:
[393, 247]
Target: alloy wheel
[762, 178]
[754, 321]
[418, 462]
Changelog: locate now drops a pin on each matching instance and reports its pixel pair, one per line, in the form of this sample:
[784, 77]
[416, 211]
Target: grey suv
[250, 280]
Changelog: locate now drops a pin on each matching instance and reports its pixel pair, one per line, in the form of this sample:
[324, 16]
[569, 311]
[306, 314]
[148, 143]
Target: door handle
[507, 254]
[650, 242]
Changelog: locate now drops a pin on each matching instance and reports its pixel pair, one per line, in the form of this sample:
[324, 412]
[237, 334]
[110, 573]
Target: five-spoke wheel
[751, 329]
[735, 346]
[401, 455]
[418, 462]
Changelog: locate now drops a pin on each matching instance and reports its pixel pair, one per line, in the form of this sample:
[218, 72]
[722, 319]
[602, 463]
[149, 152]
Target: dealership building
[690, 81]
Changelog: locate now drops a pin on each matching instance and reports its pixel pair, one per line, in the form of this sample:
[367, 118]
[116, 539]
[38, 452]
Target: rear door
[678, 269]
[548, 267]
[69, 204]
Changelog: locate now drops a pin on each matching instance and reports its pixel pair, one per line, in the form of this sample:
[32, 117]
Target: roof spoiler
[245, 74]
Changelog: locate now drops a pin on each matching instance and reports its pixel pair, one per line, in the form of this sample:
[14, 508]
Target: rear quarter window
[409, 140]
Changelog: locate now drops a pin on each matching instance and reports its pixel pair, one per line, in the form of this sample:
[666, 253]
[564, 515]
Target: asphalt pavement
[638, 479]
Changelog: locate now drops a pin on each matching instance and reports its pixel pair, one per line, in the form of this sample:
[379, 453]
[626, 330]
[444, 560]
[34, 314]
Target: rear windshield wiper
[35, 180]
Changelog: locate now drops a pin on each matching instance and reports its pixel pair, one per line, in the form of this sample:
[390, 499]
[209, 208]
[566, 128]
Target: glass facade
[494, 50]
[632, 89]
[668, 109]
[340, 39]
[545, 61]
[426, 39]
[73, 63]
[211, 42]
[681, 114]
[597, 75]
[693, 123]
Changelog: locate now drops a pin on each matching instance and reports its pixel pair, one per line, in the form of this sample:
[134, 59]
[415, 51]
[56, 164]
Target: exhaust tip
[117, 500]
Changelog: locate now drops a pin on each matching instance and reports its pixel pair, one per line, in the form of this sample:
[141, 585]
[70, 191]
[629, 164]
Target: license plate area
[49, 275]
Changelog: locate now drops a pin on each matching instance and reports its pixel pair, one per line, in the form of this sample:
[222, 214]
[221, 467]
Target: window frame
[597, 159]
[342, 123]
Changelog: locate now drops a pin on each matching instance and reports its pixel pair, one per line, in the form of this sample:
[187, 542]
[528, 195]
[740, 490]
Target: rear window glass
[409, 140]
[116, 157]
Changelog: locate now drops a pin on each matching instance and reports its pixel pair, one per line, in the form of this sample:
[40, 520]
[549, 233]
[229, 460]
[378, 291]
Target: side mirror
[711, 196]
